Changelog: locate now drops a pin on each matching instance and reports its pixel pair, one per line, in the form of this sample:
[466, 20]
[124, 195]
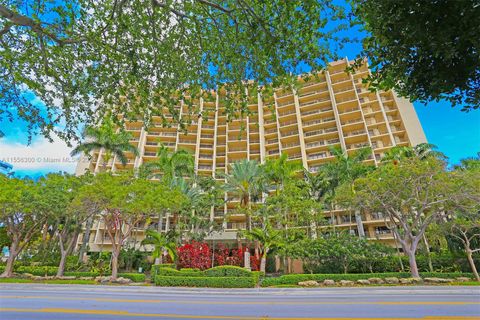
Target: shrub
[290, 279]
[135, 277]
[169, 272]
[227, 271]
[210, 282]
[194, 255]
[38, 270]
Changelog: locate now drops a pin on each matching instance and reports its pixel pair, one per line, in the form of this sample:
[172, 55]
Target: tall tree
[109, 140]
[245, 181]
[112, 144]
[344, 169]
[412, 195]
[131, 57]
[279, 171]
[58, 192]
[466, 228]
[169, 165]
[421, 151]
[19, 215]
[425, 50]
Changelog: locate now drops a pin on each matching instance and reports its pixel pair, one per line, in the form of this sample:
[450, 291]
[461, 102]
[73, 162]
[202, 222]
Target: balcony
[309, 93]
[355, 133]
[284, 104]
[349, 110]
[290, 133]
[270, 131]
[236, 226]
[320, 155]
[343, 90]
[309, 103]
[358, 120]
[283, 114]
[205, 156]
[284, 94]
[284, 124]
[204, 167]
[357, 145]
[290, 145]
[295, 156]
[150, 154]
[340, 80]
[271, 152]
[307, 113]
[271, 141]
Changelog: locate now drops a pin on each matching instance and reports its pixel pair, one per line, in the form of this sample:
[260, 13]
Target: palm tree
[345, 169]
[169, 165]
[245, 180]
[469, 163]
[268, 239]
[113, 143]
[106, 138]
[421, 151]
[279, 170]
[162, 243]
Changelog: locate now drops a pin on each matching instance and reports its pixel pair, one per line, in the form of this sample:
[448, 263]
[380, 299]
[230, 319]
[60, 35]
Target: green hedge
[227, 271]
[135, 277]
[290, 279]
[211, 282]
[170, 272]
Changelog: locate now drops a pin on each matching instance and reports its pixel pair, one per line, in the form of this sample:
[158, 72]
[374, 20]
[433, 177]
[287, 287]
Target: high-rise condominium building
[335, 109]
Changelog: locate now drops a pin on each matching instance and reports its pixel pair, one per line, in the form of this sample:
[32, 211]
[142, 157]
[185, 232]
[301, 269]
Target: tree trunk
[61, 266]
[115, 254]
[160, 222]
[427, 248]
[86, 238]
[8, 272]
[263, 263]
[413, 262]
[472, 263]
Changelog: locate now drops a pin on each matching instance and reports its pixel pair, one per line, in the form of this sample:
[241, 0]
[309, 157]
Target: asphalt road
[37, 301]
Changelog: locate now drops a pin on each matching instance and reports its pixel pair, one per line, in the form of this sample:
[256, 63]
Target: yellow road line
[187, 316]
[209, 302]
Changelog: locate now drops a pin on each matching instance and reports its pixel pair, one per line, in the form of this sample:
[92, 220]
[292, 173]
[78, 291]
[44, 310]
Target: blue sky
[456, 133]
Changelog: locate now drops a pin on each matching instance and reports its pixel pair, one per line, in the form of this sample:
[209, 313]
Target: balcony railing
[318, 155]
[309, 93]
[303, 104]
[290, 145]
[289, 133]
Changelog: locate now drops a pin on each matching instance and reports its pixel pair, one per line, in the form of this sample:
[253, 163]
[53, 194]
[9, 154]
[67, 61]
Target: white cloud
[41, 156]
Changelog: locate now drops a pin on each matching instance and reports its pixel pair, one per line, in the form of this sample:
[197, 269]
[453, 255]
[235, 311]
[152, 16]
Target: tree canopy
[85, 58]
[425, 50]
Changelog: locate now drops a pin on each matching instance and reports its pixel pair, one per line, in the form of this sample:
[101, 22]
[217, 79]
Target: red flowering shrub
[254, 262]
[194, 255]
[221, 255]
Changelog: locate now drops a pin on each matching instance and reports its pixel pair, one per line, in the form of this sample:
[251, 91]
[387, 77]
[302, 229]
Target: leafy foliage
[194, 255]
[425, 50]
[136, 57]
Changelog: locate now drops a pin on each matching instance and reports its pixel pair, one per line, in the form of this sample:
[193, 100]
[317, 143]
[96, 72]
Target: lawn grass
[51, 281]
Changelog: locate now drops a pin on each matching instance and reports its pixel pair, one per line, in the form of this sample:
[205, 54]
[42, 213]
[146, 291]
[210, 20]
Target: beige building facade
[335, 109]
